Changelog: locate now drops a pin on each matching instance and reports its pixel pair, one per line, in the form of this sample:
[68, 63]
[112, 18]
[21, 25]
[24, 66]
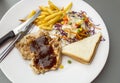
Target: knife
[16, 39]
[18, 29]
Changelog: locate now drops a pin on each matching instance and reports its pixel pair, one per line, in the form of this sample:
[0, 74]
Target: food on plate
[61, 66]
[43, 51]
[31, 14]
[69, 61]
[48, 54]
[61, 31]
[74, 26]
[50, 15]
[24, 45]
[83, 50]
[66, 9]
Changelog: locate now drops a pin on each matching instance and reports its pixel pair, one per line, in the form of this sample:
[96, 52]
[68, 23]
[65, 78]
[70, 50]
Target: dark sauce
[45, 54]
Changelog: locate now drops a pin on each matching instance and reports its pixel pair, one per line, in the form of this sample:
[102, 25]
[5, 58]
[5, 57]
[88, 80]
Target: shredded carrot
[64, 22]
[57, 35]
[67, 30]
[64, 37]
[77, 35]
[65, 19]
[96, 27]
[73, 32]
[77, 25]
[91, 24]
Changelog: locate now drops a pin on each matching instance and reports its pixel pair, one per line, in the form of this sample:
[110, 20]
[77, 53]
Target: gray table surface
[110, 11]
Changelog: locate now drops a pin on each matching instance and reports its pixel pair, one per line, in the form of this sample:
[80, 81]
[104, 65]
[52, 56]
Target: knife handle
[6, 37]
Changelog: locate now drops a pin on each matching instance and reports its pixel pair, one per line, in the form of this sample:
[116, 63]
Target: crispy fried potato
[50, 15]
[52, 6]
[68, 7]
[53, 21]
[31, 14]
[53, 15]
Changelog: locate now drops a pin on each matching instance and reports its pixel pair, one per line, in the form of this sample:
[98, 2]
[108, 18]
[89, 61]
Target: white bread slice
[83, 50]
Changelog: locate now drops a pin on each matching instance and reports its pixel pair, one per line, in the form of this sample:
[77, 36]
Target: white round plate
[19, 71]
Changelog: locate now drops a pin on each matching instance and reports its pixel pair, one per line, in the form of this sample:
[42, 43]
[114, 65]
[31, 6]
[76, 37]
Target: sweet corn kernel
[62, 22]
[61, 66]
[80, 22]
[80, 29]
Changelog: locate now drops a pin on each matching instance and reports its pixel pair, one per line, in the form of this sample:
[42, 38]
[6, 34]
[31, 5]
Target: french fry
[42, 8]
[50, 15]
[54, 20]
[53, 15]
[44, 13]
[36, 20]
[45, 27]
[49, 10]
[39, 23]
[31, 14]
[41, 17]
[68, 7]
[46, 9]
[52, 6]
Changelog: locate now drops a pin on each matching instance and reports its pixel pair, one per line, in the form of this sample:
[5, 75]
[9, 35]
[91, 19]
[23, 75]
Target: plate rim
[9, 10]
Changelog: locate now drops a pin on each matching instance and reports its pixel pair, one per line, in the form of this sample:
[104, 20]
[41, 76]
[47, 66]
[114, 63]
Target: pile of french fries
[50, 15]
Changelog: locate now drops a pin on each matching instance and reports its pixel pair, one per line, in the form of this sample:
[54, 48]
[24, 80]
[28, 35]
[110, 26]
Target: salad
[73, 26]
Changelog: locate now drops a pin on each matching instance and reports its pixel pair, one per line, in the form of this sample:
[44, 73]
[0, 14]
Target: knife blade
[18, 29]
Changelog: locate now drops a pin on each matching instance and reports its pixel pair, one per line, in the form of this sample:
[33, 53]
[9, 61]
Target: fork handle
[9, 48]
[6, 37]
